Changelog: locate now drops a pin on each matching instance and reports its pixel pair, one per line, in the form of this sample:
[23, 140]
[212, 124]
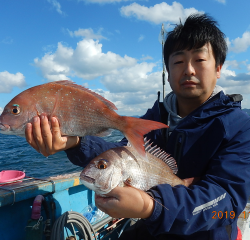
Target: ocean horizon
[17, 154]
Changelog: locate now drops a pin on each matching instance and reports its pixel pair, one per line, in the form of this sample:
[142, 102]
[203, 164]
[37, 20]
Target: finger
[59, 142]
[29, 137]
[55, 128]
[127, 202]
[46, 133]
[37, 133]
[106, 204]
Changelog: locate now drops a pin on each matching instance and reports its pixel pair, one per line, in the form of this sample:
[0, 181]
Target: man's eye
[200, 60]
[178, 62]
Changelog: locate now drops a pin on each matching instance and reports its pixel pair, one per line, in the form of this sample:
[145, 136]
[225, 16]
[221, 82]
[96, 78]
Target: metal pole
[163, 66]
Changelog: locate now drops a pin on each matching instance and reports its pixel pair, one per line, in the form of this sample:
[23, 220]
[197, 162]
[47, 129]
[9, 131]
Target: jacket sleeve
[89, 148]
[215, 201]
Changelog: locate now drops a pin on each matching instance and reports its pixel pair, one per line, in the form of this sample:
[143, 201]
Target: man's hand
[129, 202]
[45, 140]
[126, 202]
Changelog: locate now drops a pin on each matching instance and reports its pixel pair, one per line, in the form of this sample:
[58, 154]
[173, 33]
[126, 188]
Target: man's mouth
[189, 83]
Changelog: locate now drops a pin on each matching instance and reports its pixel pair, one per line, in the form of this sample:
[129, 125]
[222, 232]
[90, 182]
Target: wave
[17, 154]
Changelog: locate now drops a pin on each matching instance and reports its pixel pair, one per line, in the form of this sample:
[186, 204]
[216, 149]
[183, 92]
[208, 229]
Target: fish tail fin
[190, 181]
[136, 128]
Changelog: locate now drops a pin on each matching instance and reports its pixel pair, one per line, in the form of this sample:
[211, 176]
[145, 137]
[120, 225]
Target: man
[209, 136]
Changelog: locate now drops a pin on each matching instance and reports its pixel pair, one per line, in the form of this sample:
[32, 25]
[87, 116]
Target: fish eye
[16, 109]
[102, 164]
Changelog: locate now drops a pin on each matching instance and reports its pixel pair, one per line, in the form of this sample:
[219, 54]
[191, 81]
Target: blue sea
[17, 154]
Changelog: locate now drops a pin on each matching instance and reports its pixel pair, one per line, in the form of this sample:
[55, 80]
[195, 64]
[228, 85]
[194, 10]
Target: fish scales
[58, 104]
[80, 112]
[154, 170]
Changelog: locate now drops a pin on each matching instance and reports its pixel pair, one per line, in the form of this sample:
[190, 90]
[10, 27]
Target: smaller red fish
[123, 166]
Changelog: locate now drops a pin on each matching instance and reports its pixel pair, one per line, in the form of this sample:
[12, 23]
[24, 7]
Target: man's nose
[189, 70]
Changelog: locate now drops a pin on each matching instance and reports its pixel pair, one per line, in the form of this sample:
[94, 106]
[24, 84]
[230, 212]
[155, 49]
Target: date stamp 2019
[226, 214]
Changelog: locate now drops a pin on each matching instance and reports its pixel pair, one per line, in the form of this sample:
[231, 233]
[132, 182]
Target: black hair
[197, 30]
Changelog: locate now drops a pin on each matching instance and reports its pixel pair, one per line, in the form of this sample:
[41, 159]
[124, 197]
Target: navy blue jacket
[213, 143]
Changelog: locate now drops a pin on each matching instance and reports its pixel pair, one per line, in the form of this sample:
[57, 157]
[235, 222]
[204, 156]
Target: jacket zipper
[179, 147]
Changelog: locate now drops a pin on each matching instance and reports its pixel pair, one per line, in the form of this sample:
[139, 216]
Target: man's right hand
[48, 140]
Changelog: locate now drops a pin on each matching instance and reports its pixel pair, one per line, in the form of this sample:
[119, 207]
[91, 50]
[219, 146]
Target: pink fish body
[79, 111]
[123, 165]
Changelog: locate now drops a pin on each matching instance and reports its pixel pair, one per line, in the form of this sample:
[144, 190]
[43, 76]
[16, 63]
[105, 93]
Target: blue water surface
[17, 154]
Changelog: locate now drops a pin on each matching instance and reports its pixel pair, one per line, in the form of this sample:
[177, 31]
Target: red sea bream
[123, 166]
[79, 111]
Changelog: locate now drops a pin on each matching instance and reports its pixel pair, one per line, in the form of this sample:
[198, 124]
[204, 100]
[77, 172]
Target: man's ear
[218, 70]
[168, 75]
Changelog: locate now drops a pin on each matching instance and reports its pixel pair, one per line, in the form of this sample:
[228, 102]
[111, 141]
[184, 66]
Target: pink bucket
[11, 175]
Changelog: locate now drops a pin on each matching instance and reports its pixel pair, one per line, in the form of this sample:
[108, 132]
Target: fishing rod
[162, 41]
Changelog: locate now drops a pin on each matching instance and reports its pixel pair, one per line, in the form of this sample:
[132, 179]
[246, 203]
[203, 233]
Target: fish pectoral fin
[128, 182]
[39, 110]
[191, 181]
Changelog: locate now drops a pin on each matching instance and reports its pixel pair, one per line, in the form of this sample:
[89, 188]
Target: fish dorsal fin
[159, 153]
[72, 84]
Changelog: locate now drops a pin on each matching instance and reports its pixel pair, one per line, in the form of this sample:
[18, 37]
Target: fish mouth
[9, 130]
[4, 127]
[87, 179]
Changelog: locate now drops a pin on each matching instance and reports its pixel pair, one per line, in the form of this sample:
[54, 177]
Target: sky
[113, 47]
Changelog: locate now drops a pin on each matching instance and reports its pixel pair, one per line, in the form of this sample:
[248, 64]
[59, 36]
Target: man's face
[192, 74]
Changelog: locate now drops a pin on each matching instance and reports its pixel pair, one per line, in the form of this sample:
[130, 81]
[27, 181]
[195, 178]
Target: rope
[78, 220]
[125, 224]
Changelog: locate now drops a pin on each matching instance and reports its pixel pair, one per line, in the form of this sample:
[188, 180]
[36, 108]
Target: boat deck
[30, 187]
[65, 192]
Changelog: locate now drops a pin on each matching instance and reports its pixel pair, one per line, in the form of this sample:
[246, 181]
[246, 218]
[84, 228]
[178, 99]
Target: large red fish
[79, 111]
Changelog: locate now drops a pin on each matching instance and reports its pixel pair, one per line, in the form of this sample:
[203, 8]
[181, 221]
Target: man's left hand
[126, 202]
